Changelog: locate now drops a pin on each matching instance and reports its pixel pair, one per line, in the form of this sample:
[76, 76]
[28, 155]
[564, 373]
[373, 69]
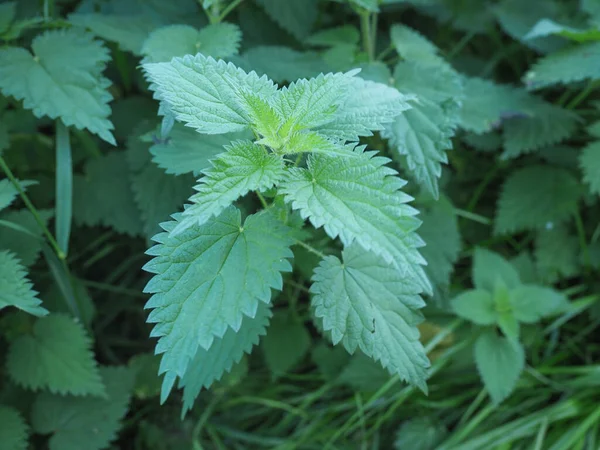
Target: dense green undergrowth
[300, 224]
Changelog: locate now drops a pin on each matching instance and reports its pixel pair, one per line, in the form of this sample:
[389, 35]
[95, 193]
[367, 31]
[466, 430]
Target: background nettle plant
[344, 224]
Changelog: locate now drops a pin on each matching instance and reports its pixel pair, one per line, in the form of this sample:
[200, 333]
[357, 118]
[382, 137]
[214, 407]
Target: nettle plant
[215, 271]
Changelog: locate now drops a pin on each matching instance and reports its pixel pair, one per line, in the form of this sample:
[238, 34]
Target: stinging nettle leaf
[208, 278]
[530, 303]
[412, 46]
[589, 161]
[14, 432]
[8, 192]
[295, 16]
[72, 421]
[15, 288]
[218, 40]
[489, 266]
[358, 198]
[203, 92]
[56, 355]
[475, 305]
[61, 79]
[243, 167]
[366, 304]
[208, 366]
[500, 362]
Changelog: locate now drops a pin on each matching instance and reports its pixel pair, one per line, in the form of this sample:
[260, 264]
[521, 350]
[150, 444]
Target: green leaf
[185, 151]
[242, 168]
[313, 103]
[412, 46]
[71, 421]
[55, 355]
[147, 382]
[15, 288]
[103, 196]
[506, 319]
[285, 344]
[547, 27]
[547, 125]
[128, 30]
[63, 187]
[358, 199]
[476, 305]
[8, 192]
[14, 431]
[331, 37]
[295, 16]
[589, 162]
[421, 433]
[62, 79]
[369, 5]
[218, 40]
[282, 63]
[442, 243]
[530, 303]
[363, 374]
[535, 197]
[570, 65]
[8, 11]
[500, 363]
[208, 366]
[557, 252]
[436, 85]
[207, 279]
[157, 194]
[368, 107]
[21, 240]
[487, 104]
[203, 93]
[365, 303]
[489, 266]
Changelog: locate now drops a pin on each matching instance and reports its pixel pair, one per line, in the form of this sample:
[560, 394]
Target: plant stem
[262, 200]
[310, 248]
[365, 29]
[228, 9]
[583, 94]
[31, 208]
[582, 239]
[64, 186]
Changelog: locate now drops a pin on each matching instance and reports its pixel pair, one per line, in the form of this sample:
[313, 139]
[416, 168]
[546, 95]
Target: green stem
[31, 208]
[472, 216]
[228, 9]
[262, 199]
[310, 248]
[583, 94]
[365, 28]
[460, 45]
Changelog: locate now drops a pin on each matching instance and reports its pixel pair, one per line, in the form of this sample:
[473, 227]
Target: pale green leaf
[547, 27]
[217, 40]
[8, 11]
[412, 46]
[203, 93]
[243, 167]
[61, 79]
[55, 355]
[157, 194]
[546, 125]
[488, 267]
[186, 151]
[368, 107]
[358, 199]
[437, 85]
[128, 30]
[570, 65]
[15, 288]
[476, 305]
[589, 161]
[365, 303]
[535, 197]
[208, 366]
[207, 279]
[530, 303]
[295, 16]
[103, 196]
[14, 432]
[500, 363]
[285, 344]
[90, 422]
